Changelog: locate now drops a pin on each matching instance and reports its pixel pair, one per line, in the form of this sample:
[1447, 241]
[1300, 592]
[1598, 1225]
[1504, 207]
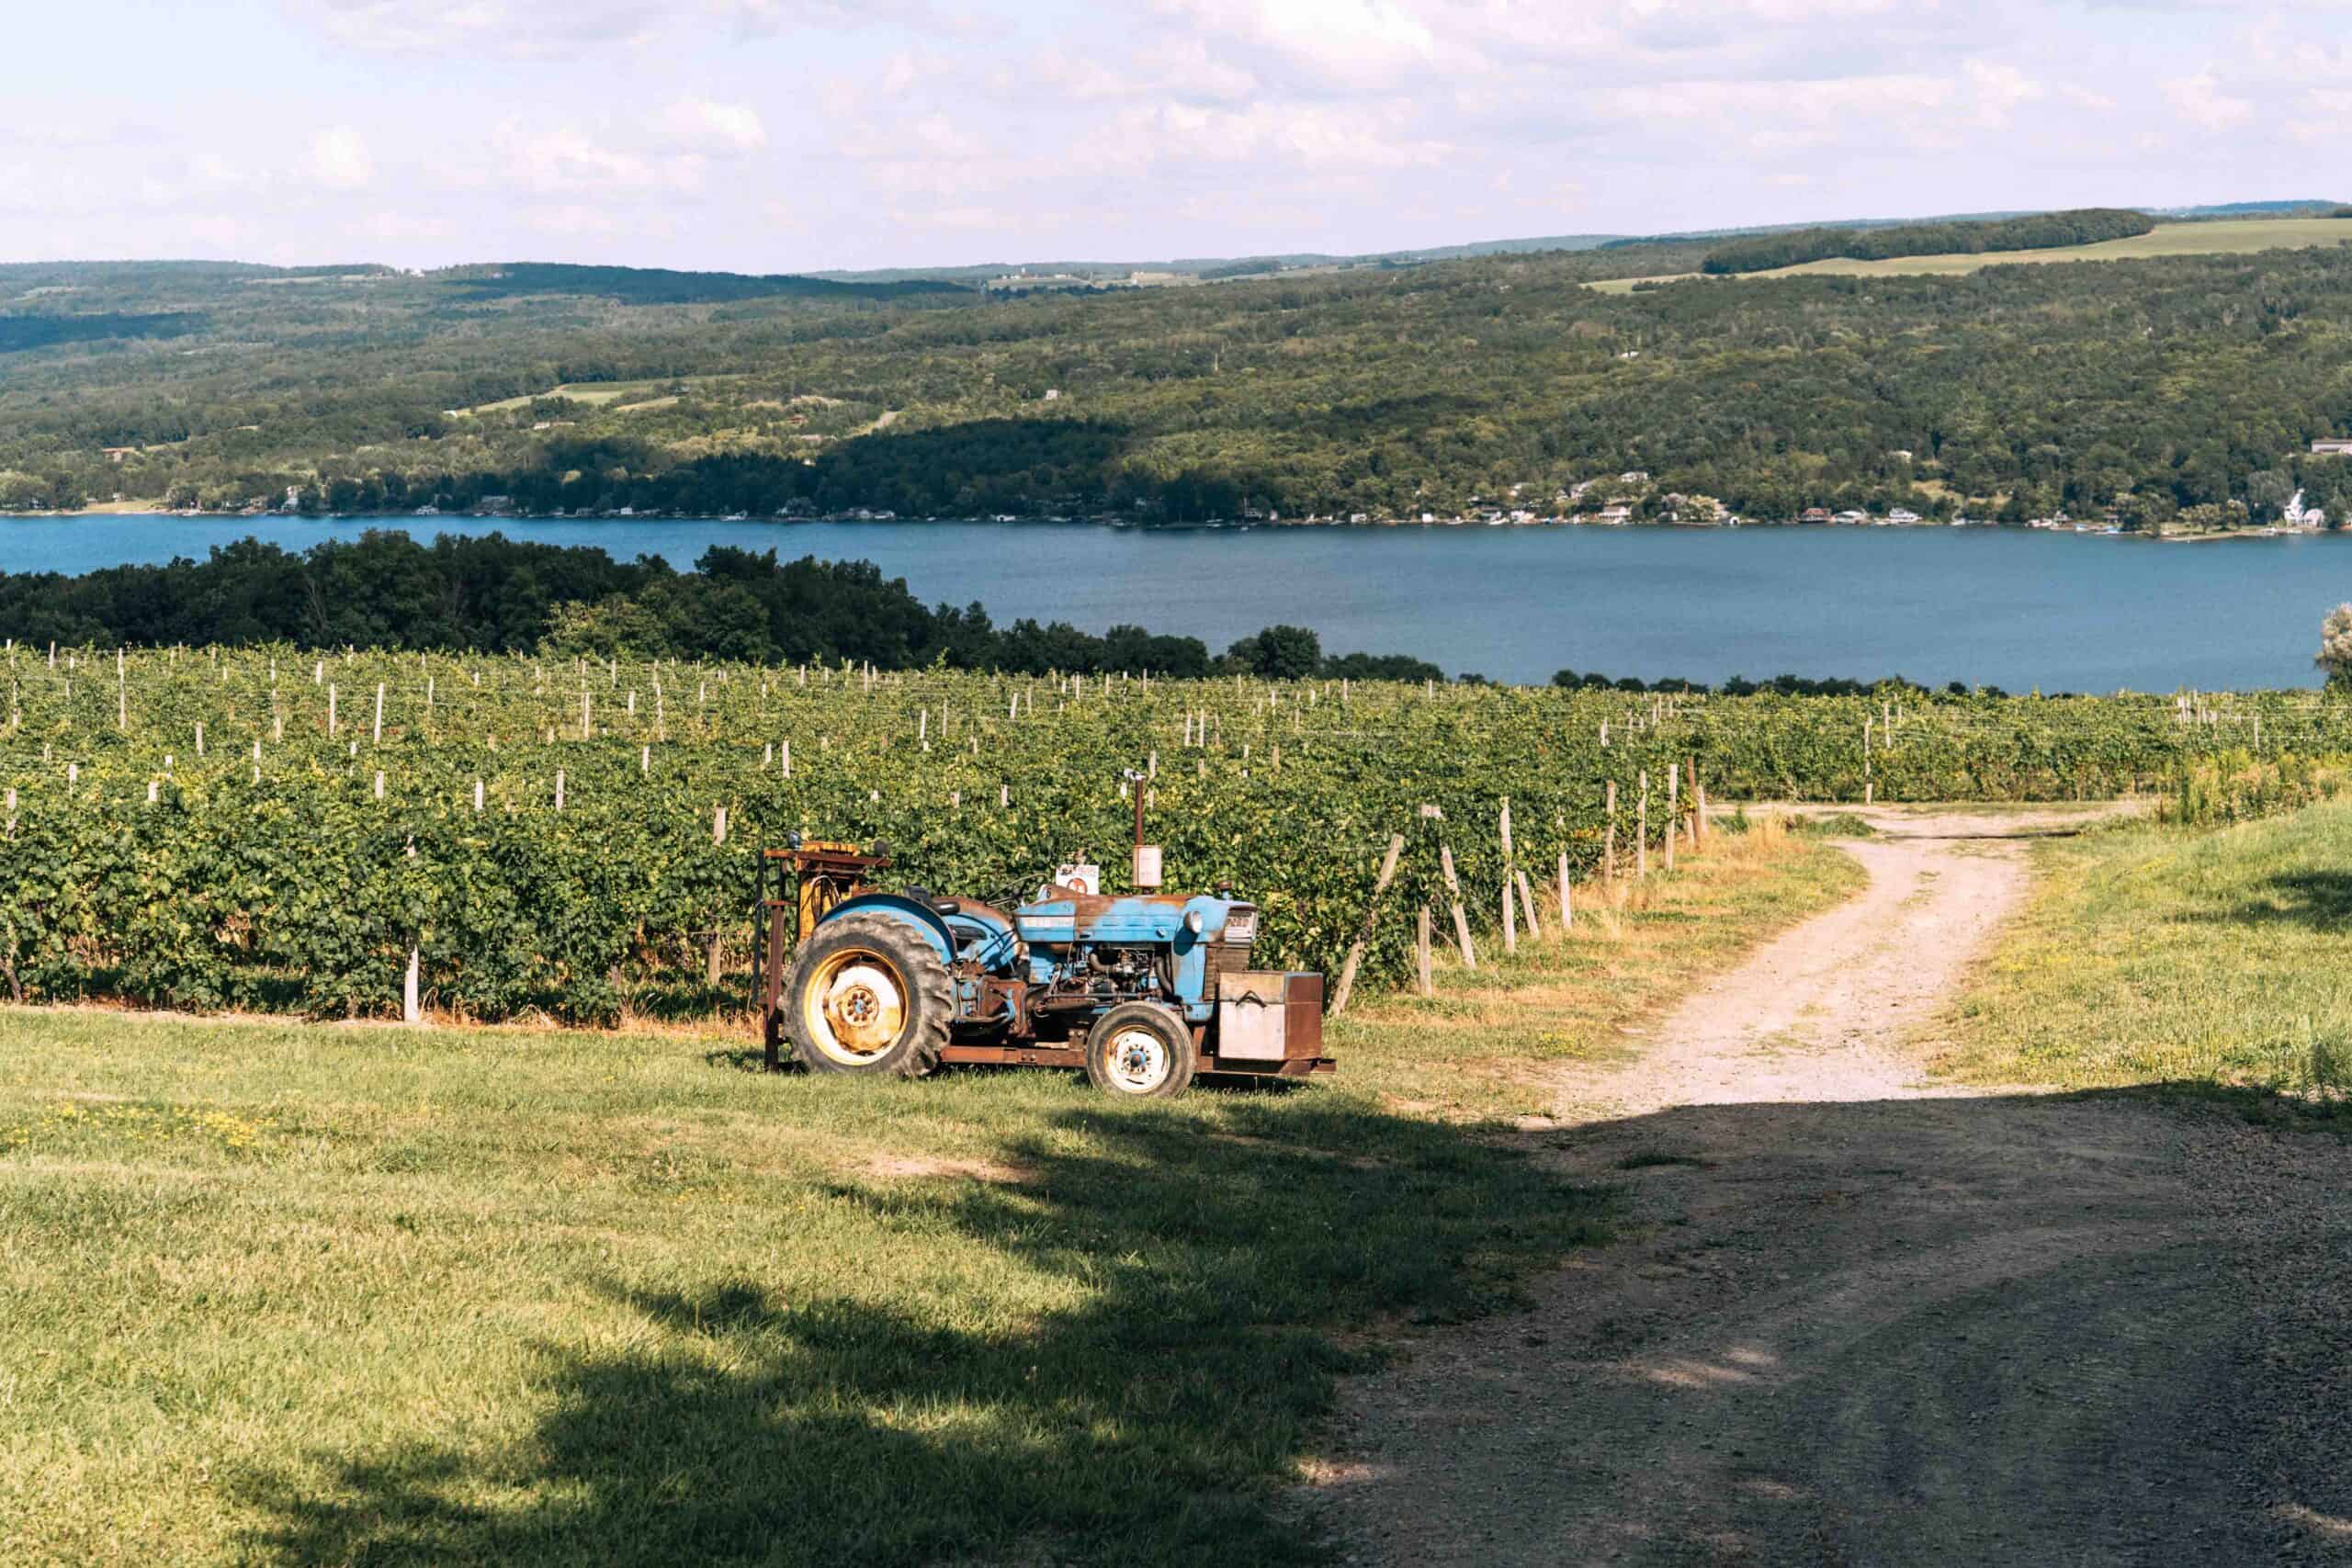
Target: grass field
[2218, 237]
[2153, 955]
[271, 1291]
[600, 393]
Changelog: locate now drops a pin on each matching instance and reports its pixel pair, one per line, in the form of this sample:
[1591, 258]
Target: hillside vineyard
[206, 827]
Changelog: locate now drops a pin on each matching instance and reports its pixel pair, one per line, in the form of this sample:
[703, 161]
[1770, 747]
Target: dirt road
[1868, 1319]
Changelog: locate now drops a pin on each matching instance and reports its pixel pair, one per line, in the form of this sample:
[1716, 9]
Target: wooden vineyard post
[1568, 911]
[331, 711]
[378, 739]
[1673, 810]
[1866, 761]
[1698, 806]
[1364, 934]
[1609, 839]
[410, 1010]
[717, 837]
[1461, 919]
[1422, 952]
[1642, 831]
[1510, 915]
[1527, 908]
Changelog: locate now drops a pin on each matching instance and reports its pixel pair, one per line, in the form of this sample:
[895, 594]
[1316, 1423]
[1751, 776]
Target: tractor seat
[929, 900]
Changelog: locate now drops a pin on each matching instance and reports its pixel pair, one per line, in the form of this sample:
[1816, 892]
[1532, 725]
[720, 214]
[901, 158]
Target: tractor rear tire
[1141, 1051]
[867, 993]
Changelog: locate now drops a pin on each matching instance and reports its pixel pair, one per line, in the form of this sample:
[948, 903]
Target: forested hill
[2035, 232]
[659, 286]
[2148, 386]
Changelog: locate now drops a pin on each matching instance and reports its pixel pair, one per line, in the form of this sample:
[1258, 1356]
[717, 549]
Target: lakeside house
[1813, 514]
[2332, 446]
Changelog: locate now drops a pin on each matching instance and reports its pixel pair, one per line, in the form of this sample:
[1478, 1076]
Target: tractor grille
[1225, 958]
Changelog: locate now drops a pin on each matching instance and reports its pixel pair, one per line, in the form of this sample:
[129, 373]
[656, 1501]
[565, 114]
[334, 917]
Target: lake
[2000, 606]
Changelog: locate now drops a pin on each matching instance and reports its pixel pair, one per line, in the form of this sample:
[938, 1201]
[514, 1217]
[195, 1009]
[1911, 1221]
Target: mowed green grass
[2224, 236]
[2157, 955]
[286, 1292]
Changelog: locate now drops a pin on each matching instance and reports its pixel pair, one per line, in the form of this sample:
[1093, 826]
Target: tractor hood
[1141, 920]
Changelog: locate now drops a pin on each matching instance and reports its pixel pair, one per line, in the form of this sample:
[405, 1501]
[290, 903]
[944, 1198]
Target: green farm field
[2220, 237]
[275, 1291]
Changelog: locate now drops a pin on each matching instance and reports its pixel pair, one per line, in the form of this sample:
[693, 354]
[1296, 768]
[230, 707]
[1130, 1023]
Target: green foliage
[2238, 786]
[1833, 825]
[1278, 653]
[2037, 231]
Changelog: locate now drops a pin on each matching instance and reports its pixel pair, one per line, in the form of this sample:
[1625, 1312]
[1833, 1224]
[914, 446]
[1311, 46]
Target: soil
[1864, 1318]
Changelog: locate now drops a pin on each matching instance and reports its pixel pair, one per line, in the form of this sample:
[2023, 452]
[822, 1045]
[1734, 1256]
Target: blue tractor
[1140, 991]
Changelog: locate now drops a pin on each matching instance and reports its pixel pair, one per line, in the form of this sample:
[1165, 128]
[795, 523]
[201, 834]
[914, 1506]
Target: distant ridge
[1256, 266]
[661, 286]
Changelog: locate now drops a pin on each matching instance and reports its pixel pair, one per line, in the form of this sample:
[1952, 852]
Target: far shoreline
[402, 520]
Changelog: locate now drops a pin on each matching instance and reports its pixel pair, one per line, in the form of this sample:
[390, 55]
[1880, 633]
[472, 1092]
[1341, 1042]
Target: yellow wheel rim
[855, 1007]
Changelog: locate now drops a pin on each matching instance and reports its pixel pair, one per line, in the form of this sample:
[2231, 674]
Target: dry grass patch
[1480, 1047]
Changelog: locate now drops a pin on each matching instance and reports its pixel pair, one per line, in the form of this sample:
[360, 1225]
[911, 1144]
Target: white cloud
[1290, 136]
[701, 125]
[563, 160]
[1994, 91]
[2200, 101]
[524, 29]
[338, 159]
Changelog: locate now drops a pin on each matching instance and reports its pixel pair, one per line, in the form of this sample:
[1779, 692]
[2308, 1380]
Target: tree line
[492, 594]
[2037, 232]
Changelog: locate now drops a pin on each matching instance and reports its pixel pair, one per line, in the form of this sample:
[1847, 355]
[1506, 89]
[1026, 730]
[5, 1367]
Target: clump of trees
[2335, 648]
[1294, 653]
[2039, 232]
[492, 594]
[1741, 686]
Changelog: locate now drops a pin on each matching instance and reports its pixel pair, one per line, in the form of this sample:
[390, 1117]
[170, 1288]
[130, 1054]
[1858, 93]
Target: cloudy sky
[779, 135]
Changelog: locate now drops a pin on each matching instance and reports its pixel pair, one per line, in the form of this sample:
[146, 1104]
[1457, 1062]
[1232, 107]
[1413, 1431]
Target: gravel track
[1868, 1319]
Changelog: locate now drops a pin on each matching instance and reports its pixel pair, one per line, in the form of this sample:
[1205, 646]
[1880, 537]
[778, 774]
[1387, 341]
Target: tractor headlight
[1192, 922]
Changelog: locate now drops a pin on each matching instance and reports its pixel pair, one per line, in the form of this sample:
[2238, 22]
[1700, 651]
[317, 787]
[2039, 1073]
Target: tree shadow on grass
[2319, 901]
[1221, 1243]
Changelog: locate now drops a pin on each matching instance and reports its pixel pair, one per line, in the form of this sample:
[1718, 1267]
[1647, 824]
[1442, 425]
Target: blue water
[2014, 609]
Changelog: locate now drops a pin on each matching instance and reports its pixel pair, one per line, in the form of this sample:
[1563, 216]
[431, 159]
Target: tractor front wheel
[1142, 1051]
[867, 993]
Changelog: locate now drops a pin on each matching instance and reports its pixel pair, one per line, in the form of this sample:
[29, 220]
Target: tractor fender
[898, 906]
